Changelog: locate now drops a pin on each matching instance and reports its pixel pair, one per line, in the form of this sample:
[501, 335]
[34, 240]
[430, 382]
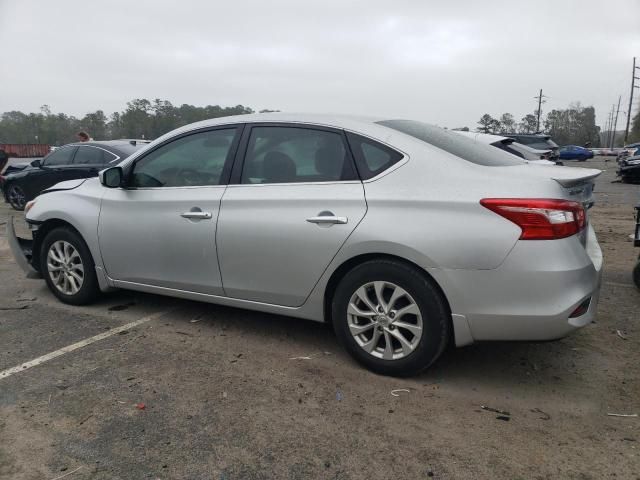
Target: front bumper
[22, 250]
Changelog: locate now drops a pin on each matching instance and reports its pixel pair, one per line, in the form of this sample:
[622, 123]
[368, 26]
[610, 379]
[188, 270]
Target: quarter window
[372, 158]
[195, 160]
[295, 155]
[62, 156]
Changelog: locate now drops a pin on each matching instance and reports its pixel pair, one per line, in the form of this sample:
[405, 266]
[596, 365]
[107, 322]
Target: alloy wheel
[65, 267]
[17, 198]
[384, 320]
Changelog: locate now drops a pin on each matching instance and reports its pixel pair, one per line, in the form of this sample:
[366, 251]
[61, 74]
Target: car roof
[123, 147]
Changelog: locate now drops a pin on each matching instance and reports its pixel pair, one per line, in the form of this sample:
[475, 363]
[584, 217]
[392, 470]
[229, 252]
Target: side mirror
[36, 163]
[111, 177]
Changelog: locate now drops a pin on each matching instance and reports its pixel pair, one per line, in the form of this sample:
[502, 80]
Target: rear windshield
[453, 143]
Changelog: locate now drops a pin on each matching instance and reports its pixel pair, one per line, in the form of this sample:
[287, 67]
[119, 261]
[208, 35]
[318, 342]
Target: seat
[278, 167]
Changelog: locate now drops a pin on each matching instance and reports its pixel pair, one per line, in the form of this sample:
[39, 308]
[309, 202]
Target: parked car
[574, 152]
[630, 150]
[76, 160]
[404, 236]
[629, 169]
[540, 157]
[537, 141]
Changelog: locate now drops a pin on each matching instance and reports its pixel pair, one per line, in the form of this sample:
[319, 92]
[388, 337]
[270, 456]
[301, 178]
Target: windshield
[453, 143]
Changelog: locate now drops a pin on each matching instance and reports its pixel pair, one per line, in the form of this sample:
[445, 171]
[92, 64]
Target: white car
[510, 145]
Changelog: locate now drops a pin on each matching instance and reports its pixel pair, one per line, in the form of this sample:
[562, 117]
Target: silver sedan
[404, 236]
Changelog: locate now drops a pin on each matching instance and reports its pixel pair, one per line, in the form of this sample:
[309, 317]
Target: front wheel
[390, 317]
[68, 268]
[17, 197]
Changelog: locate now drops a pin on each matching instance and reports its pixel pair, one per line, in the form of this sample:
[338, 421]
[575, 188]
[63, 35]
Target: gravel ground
[231, 394]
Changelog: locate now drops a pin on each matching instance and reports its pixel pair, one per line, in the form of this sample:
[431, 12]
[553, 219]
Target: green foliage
[528, 124]
[574, 126]
[486, 123]
[507, 123]
[141, 119]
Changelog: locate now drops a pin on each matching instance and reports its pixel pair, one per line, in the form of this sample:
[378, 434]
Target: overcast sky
[445, 62]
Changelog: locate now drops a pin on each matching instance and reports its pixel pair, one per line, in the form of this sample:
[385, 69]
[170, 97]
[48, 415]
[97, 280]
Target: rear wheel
[17, 197]
[68, 268]
[390, 317]
[636, 274]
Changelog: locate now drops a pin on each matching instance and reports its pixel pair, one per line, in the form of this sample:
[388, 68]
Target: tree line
[141, 119]
[575, 125]
[150, 119]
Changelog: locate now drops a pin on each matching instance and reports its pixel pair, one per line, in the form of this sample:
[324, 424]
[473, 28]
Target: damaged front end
[22, 250]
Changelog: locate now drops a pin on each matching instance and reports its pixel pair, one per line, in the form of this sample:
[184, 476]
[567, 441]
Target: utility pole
[610, 141]
[633, 85]
[607, 139]
[540, 102]
[615, 123]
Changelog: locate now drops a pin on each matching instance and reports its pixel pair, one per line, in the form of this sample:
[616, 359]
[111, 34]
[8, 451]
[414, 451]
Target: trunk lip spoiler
[572, 182]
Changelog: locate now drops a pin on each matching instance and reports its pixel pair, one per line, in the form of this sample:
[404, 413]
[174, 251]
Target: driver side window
[194, 160]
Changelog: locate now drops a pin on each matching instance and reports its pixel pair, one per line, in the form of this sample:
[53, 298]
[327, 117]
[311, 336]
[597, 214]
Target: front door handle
[327, 218]
[197, 215]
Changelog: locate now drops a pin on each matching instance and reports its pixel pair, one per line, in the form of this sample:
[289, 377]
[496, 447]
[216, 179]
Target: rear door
[295, 201]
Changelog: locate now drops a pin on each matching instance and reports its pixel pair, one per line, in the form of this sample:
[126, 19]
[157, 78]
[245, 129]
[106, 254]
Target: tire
[424, 306]
[66, 251]
[636, 274]
[16, 197]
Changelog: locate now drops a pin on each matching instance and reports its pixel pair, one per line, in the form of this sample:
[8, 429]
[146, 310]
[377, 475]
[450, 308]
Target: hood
[67, 185]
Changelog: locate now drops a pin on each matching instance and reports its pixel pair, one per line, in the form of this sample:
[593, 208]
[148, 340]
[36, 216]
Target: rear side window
[92, 156]
[372, 158]
[454, 143]
[278, 154]
[62, 156]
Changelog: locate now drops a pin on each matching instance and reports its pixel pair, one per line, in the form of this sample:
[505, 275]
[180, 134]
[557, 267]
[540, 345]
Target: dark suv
[539, 141]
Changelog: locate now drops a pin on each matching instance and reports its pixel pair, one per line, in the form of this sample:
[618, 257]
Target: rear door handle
[328, 220]
[197, 215]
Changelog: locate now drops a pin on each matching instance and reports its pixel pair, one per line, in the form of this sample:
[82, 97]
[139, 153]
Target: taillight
[540, 219]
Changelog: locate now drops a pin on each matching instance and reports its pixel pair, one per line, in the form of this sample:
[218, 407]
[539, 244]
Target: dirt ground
[230, 394]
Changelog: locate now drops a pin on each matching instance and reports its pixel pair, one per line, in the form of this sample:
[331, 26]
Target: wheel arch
[353, 262]
[43, 229]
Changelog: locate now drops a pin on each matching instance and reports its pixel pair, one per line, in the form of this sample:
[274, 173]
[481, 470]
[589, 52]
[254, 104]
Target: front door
[160, 230]
[295, 203]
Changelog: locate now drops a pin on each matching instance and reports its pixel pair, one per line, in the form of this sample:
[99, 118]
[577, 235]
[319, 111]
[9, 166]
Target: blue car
[573, 152]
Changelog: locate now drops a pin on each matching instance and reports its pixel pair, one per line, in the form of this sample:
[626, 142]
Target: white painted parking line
[75, 346]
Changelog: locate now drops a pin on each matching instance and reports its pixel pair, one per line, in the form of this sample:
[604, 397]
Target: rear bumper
[533, 294]
[22, 251]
